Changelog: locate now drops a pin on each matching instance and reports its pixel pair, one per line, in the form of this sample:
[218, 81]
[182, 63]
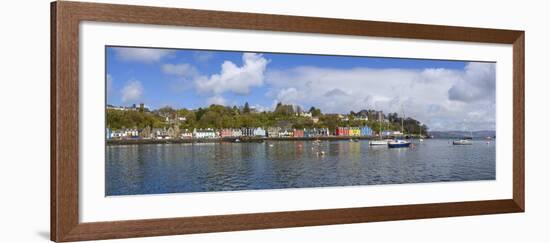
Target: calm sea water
[172, 168]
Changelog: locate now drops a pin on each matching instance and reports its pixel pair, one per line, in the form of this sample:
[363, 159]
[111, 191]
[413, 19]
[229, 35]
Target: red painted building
[226, 133]
[342, 131]
[298, 133]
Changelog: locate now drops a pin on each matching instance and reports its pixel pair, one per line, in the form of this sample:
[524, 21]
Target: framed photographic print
[175, 121]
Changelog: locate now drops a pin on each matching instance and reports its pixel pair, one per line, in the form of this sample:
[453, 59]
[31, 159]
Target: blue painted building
[366, 131]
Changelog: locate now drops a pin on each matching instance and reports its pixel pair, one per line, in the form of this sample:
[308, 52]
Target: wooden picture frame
[65, 19]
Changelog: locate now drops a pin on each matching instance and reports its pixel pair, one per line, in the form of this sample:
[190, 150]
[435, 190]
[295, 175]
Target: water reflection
[168, 168]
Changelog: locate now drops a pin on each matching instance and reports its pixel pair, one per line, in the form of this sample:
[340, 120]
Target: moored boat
[399, 144]
[462, 142]
[465, 140]
[378, 142]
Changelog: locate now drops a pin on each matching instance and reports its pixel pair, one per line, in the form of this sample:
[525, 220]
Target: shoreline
[231, 140]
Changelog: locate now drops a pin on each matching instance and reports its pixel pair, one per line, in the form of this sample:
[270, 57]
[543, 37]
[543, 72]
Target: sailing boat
[377, 142]
[464, 140]
[380, 141]
[398, 143]
[420, 137]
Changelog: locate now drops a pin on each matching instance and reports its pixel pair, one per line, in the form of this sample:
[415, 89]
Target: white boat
[462, 142]
[398, 143]
[382, 142]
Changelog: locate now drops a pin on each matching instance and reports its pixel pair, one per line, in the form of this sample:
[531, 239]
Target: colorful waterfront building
[186, 134]
[286, 133]
[339, 131]
[273, 132]
[354, 131]
[204, 133]
[298, 133]
[114, 134]
[316, 132]
[323, 132]
[342, 131]
[226, 133]
[259, 132]
[366, 131]
[309, 132]
[125, 134]
[236, 133]
[247, 132]
[133, 133]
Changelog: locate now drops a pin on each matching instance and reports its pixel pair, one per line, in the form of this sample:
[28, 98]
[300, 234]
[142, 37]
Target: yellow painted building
[354, 131]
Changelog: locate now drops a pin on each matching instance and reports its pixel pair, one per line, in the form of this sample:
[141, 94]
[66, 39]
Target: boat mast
[379, 125]
[402, 119]
[402, 132]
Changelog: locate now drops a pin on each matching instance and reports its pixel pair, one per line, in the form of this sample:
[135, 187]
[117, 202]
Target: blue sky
[429, 89]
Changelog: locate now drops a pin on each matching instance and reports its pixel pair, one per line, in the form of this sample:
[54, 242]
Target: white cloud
[185, 74]
[183, 70]
[147, 55]
[443, 99]
[132, 91]
[478, 83]
[109, 83]
[233, 78]
[216, 100]
[260, 108]
[288, 95]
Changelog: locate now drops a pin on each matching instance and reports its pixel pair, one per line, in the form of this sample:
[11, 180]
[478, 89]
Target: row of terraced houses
[210, 133]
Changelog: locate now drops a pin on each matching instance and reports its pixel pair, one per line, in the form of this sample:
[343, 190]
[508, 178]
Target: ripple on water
[149, 169]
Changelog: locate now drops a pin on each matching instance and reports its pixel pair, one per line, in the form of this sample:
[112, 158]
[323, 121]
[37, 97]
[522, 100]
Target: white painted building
[204, 133]
[237, 133]
[259, 132]
[124, 133]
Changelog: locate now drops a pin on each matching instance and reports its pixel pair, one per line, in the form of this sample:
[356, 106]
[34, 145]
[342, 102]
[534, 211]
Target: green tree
[210, 119]
[284, 110]
[167, 110]
[330, 121]
[316, 112]
[117, 119]
[246, 108]
[199, 113]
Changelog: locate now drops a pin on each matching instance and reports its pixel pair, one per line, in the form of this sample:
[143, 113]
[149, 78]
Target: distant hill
[459, 134]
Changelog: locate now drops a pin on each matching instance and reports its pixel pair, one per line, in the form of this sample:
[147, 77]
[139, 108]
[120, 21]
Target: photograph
[185, 120]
